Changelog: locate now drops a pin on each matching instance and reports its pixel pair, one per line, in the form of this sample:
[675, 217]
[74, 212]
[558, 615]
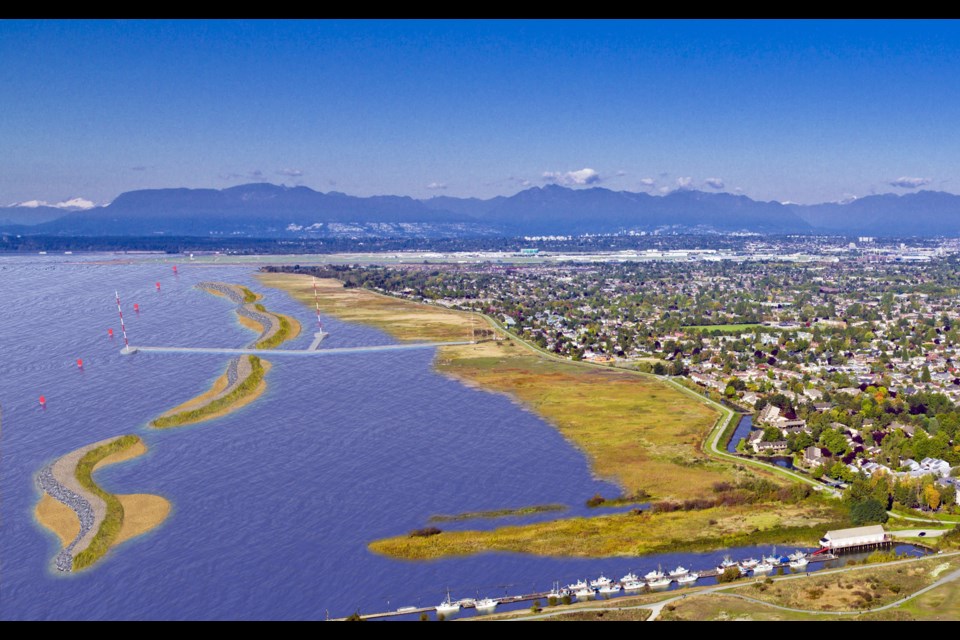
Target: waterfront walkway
[298, 352]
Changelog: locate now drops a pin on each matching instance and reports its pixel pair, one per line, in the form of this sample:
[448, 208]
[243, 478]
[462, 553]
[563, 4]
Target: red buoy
[158, 286]
[43, 402]
[79, 363]
[110, 332]
[136, 307]
[174, 268]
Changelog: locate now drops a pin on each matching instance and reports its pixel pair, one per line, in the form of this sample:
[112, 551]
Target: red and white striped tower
[316, 299]
[123, 327]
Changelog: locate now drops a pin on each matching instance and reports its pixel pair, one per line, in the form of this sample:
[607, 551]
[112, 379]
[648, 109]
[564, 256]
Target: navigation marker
[123, 328]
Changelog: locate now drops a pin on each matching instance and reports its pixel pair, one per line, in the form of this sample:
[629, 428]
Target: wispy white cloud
[290, 173]
[256, 175]
[684, 182]
[905, 182]
[648, 182]
[621, 173]
[436, 186]
[579, 177]
[714, 183]
[72, 203]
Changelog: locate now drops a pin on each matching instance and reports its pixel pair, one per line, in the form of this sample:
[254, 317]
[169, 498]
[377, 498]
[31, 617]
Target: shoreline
[637, 431]
[76, 512]
[658, 428]
[249, 383]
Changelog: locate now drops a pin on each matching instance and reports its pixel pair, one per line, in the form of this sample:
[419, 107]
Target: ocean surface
[273, 505]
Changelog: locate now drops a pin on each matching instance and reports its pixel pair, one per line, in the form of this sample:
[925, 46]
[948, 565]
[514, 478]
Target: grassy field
[635, 430]
[402, 319]
[612, 615]
[627, 534]
[725, 328]
[866, 588]
[942, 603]
[721, 607]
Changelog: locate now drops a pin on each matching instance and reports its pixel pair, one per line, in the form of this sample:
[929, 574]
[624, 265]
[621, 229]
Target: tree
[771, 434]
[931, 497]
[925, 374]
[868, 511]
[729, 574]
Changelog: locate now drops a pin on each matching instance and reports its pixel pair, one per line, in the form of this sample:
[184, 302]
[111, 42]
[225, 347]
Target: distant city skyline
[796, 111]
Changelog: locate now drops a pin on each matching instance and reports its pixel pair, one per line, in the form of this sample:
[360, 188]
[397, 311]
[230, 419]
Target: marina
[605, 588]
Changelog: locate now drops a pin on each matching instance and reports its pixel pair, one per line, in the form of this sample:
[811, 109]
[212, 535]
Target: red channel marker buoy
[136, 307]
[79, 363]
[174, 268]
[110, 332]
[43, 402]
[158, 286]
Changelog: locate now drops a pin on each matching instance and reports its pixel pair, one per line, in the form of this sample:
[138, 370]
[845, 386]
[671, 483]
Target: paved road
[915, 533]
[913, 519]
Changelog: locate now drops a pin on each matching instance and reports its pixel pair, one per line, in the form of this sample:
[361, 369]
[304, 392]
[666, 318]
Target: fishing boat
[609, 589]
[576, 586]
[763, 567]
[485, 606]
[556, 593]
[655, 575]
[796, 555]
[727, 562]
[585, 593]
[448, 607]
[799, 563]
[688, 578]
[630, 577]
[773, 559]
[661, 583]
[749, 563]
[600, 582]
[634, 585]
[678, 572]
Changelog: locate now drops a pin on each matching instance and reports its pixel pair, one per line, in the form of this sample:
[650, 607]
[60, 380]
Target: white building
[936, 466]
[857, 536]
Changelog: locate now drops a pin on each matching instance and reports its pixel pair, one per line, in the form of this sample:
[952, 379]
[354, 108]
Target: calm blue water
[743, 428]
[273, 506]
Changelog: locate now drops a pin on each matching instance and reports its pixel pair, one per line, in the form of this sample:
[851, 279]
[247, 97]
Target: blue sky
[805, 111]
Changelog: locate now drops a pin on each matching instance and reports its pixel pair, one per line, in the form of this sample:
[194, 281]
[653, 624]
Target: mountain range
[266, 210]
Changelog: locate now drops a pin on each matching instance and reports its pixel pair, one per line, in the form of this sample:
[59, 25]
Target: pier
[310, 351]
